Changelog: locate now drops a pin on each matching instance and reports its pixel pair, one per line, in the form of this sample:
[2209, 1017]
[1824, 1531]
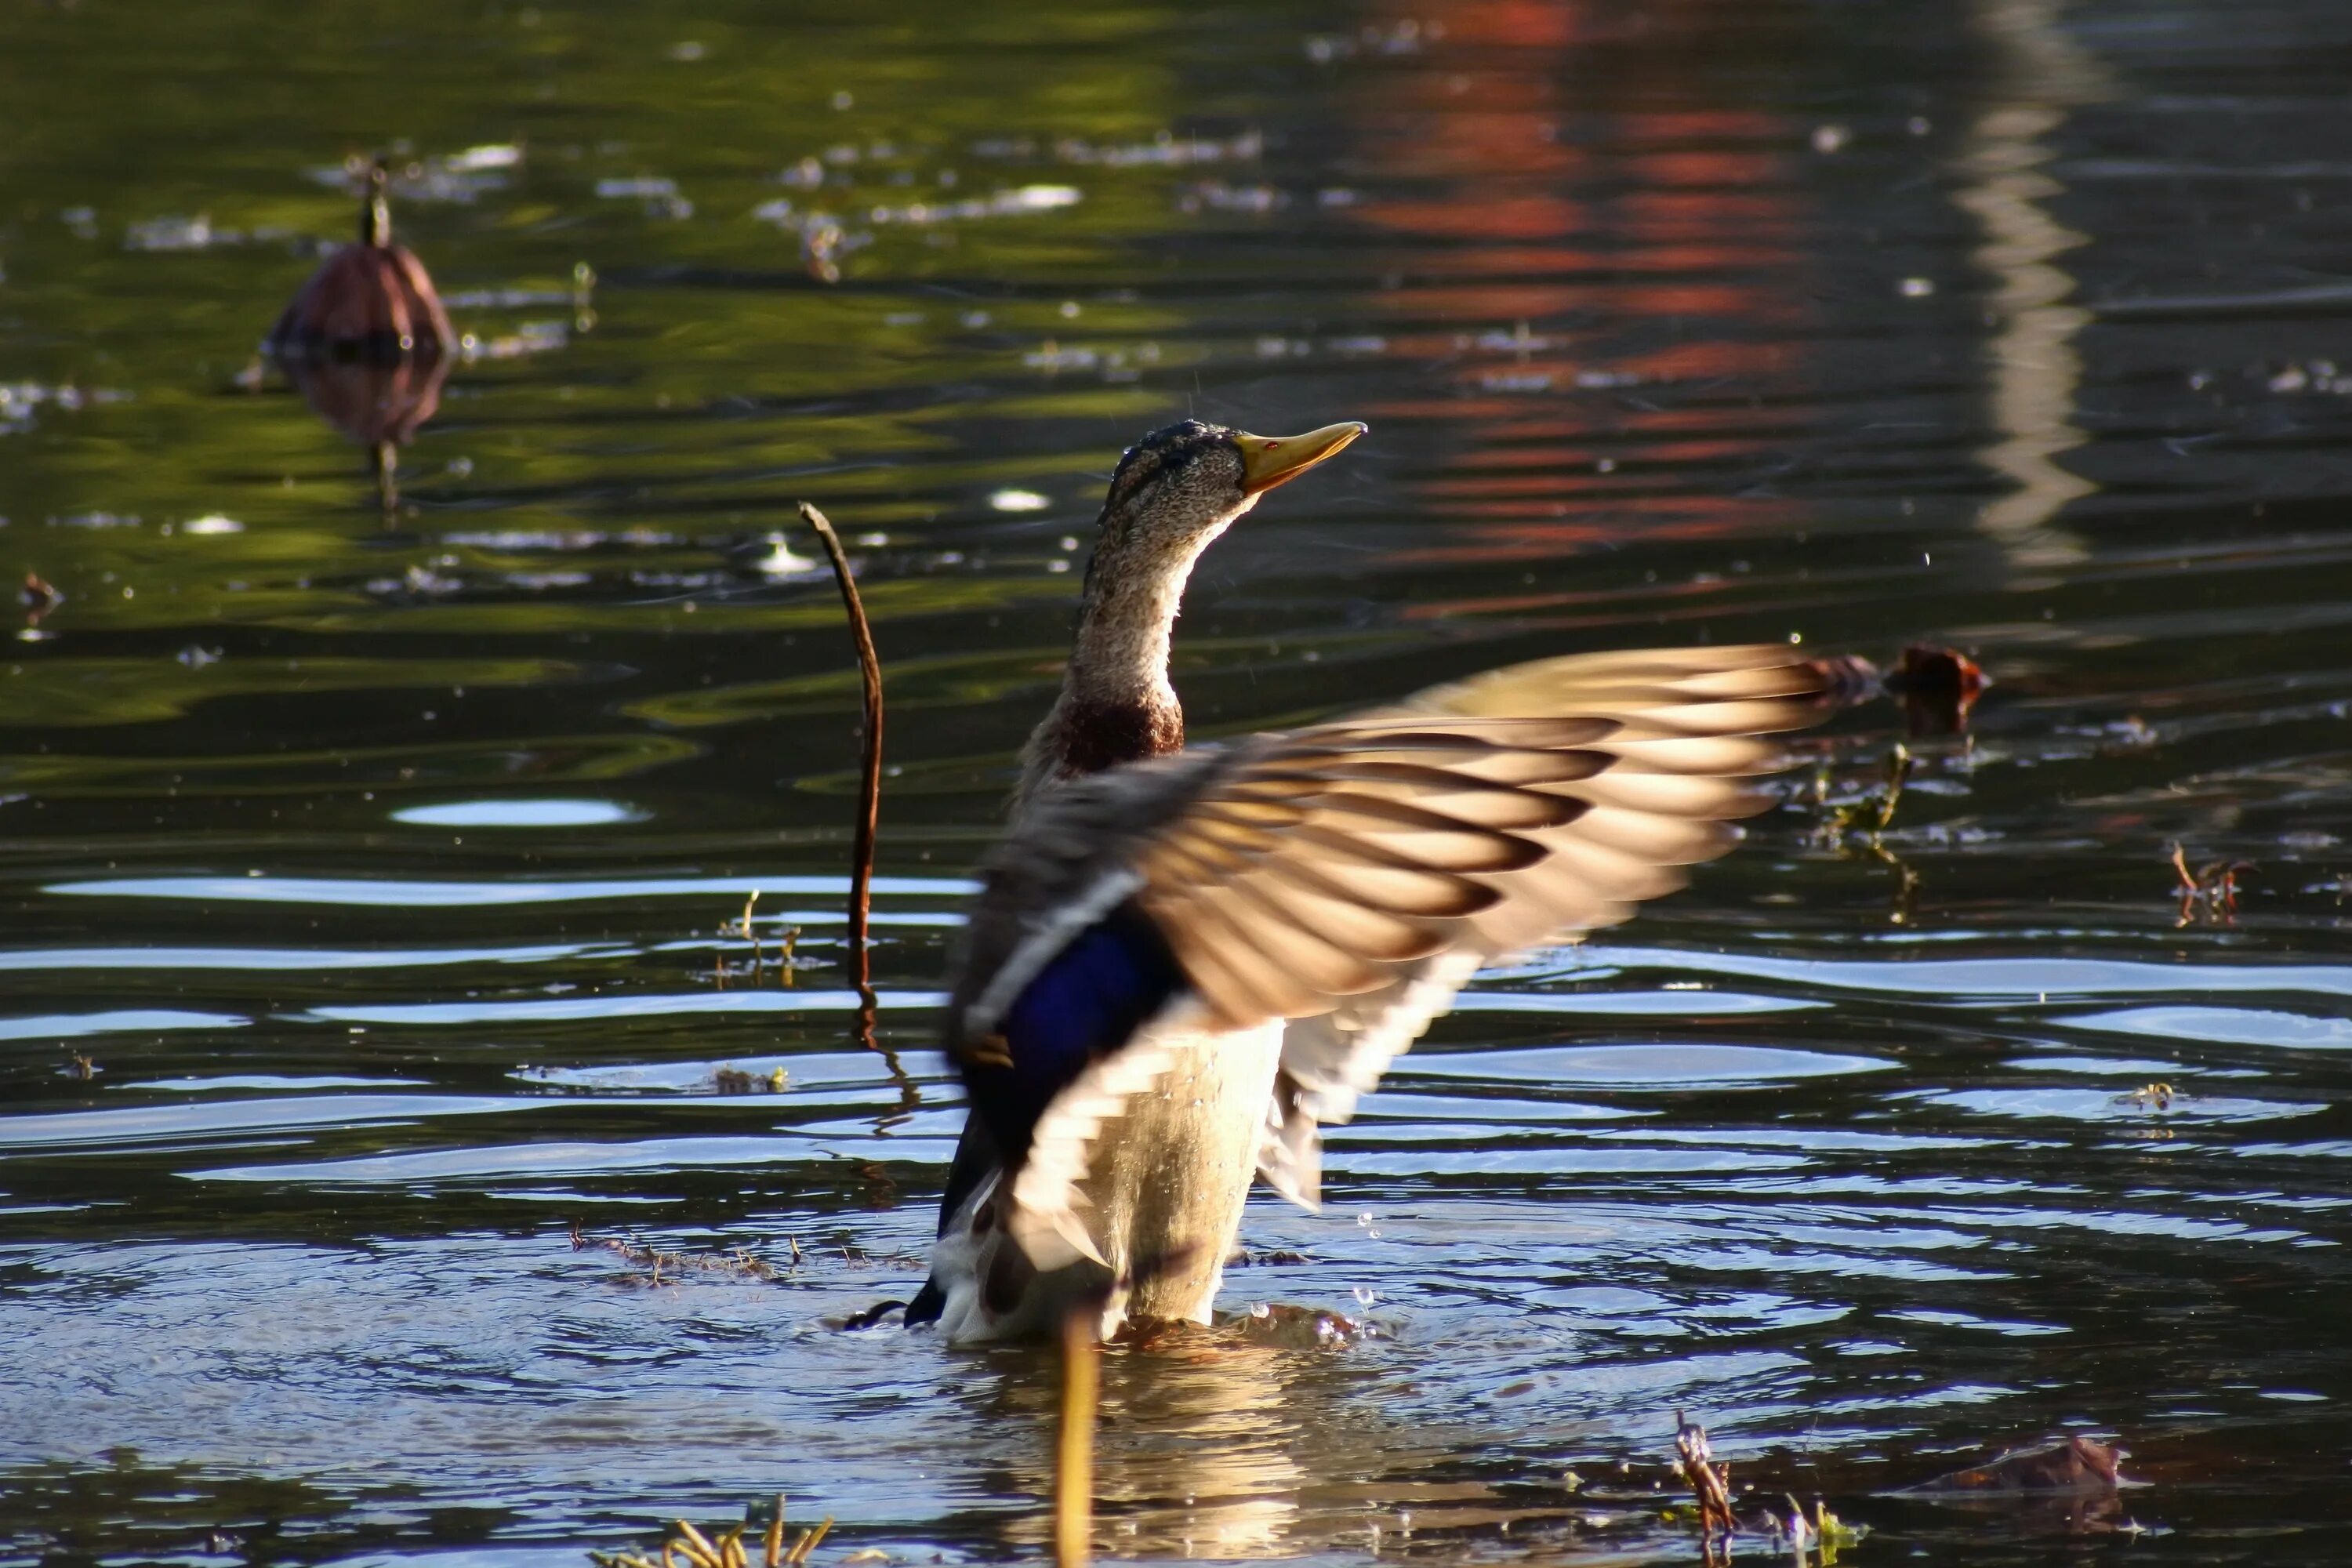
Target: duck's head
[1179, 488]
[1174, 491]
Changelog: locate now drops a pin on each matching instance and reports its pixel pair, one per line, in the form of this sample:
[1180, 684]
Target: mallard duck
[1184, 961]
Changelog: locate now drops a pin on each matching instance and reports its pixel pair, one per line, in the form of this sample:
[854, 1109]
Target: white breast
[1166, 1175]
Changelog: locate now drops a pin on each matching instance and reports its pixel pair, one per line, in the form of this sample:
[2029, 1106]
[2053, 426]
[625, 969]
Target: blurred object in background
[371, 299]
[367, 342]
[381, 403]
[1938, 686]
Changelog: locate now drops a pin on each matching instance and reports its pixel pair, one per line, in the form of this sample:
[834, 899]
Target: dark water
[380, 870]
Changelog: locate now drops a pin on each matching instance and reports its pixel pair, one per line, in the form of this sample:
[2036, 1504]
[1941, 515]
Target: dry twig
[869, 782]
[869, 806]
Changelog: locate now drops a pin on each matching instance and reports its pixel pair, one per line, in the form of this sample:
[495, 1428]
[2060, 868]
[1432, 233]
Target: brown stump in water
[1938, 686]
[367, 342]
[369, 301]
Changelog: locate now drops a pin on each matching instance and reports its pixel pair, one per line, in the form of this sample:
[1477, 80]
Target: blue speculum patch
[1087, 1002]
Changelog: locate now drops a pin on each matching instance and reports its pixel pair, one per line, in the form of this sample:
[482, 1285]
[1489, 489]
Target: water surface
[377, 884]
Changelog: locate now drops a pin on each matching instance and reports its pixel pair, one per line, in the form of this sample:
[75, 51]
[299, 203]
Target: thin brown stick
[869, 782]
[869, 812]
[1073, 1470]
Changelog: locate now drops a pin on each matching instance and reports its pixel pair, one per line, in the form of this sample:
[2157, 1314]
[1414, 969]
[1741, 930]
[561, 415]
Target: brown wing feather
[1350, 876]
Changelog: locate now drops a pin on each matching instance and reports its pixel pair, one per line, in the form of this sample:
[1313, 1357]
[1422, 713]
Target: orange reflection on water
[1643, 250]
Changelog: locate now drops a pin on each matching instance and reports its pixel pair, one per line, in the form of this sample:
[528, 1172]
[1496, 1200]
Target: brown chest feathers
[1095, 734]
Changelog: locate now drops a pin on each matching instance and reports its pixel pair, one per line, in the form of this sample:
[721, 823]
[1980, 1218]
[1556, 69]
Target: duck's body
[1165, 1199]
[1184, 961]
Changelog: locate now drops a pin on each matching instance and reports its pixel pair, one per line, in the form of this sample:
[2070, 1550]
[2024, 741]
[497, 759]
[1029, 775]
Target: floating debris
[1822, 1533]
[781, 561]
[38, 596]
[735, 1080]
[1833, 1534]
[2150, 1096]
[2209, 893]
[823, 239]
[739, 1262]
[1938, 686]
[2077, 1465]
[1709, 1483]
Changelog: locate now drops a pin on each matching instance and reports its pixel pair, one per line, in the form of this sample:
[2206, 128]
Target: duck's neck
[1117, 705]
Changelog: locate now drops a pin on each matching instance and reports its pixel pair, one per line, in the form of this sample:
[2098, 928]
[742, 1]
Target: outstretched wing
[1350, 876]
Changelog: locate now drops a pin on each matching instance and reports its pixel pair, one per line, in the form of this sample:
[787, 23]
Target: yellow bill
[1271, 460]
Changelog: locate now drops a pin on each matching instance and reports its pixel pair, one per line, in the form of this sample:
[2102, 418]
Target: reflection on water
[395, 895]
[2035, 370]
